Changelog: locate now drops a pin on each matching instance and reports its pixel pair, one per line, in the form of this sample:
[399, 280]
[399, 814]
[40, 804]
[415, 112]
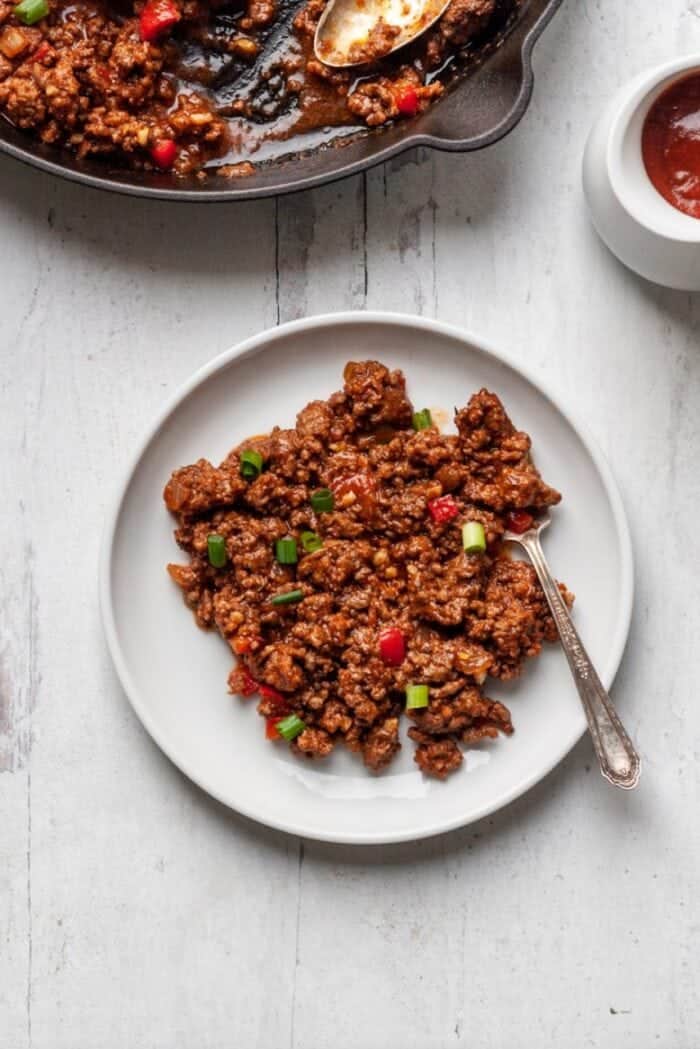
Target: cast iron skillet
[475, 112]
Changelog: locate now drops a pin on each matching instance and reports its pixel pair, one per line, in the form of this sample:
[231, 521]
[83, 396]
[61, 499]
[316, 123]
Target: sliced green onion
[290, 727]
[31, 11]
[473, 537]
[251, 464]
[216, 549]
[416, 697]
[322, 501]
[422, 419]
[310, 541]
[286, 551]
[289, 597]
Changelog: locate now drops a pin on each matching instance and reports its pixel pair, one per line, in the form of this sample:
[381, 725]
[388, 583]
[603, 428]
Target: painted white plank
[322, 250]
[157, 919]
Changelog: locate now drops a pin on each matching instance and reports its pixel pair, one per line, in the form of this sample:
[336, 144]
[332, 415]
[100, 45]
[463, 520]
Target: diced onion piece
[12, 42]
[416, 696]
[473, 537]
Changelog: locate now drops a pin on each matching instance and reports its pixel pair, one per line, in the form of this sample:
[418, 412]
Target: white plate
[175, 675]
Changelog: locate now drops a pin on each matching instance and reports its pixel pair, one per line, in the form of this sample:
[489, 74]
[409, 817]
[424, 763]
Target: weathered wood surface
[136, 912]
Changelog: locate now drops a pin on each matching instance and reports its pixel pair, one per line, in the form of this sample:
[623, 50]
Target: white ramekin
[647, 233]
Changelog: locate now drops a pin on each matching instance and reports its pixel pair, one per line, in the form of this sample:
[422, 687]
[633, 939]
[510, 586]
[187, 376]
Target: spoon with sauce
[355, 32]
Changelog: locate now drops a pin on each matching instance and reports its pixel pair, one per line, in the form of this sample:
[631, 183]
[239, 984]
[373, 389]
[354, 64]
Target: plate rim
[243, 349]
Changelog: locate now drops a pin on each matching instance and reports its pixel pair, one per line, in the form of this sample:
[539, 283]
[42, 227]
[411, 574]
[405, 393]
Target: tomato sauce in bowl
[671, 144]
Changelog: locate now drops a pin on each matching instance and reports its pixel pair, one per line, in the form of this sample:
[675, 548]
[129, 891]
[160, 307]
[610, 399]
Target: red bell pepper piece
[519, 521]
[407, 102]
[392, 646]
[157, 18]
[443, 509]
[271, 728]
[272, 694]
[250, 686]
[163, 154]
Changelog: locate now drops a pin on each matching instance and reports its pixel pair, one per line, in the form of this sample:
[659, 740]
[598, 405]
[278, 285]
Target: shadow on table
[184, 239]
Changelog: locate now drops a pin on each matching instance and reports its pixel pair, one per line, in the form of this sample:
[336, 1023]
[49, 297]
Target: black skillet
[484, 102]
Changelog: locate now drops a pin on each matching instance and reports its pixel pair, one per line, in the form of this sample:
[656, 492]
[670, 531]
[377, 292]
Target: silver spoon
[619, 761]
[354, 32]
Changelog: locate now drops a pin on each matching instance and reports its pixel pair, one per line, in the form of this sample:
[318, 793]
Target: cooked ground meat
[387, 556]
[188, 85]
[380, 40]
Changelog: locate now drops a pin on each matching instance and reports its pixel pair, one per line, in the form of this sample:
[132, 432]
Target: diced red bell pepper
[163, 154]
[407, 102]
[392, 646]
[250, 686]
[157, 18]
[519, 521]
[271, 728]
[41, 51]
[272, 694]
[443, 509]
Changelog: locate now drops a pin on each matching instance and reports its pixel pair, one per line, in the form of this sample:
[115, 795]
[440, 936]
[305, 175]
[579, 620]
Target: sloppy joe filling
[355, 566]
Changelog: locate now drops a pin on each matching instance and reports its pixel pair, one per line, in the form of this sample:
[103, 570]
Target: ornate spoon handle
[619, 761]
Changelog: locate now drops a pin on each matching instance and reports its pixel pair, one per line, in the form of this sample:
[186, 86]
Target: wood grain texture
[135, 911]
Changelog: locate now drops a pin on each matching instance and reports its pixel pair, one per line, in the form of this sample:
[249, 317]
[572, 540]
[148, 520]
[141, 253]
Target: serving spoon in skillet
[354, 32]
[617, 757]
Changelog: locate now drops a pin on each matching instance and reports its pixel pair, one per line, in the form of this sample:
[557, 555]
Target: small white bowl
[647, 233]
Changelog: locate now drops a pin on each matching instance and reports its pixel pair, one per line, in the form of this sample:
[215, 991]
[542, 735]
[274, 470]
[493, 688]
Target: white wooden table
[135, 913]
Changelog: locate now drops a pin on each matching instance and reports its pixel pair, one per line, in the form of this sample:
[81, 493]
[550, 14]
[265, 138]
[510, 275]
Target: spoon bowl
[355, 32]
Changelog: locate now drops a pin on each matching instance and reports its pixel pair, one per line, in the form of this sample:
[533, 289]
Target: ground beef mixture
[190, 86]
[382, 595]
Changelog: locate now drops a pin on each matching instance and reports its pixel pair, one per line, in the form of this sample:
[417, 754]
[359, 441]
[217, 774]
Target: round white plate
[175, 675]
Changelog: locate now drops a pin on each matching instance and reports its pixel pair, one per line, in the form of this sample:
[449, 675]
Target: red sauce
[671, 145]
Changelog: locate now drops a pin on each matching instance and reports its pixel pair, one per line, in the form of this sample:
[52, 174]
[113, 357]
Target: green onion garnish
[290, 727]
[216, 549]
[251, 464]
[473, 537]
[286, 551]
[416, 697]
[31, 11]
[322, 501]
[422, 419]
[289, 597]
[310, 541]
